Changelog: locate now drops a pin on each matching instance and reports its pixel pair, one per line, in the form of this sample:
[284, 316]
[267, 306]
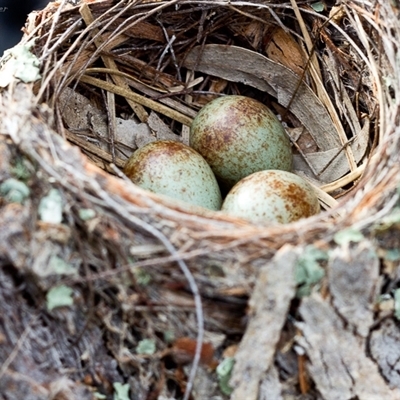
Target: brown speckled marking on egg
[272, 196]
[155, 154]
[176, 170]
[238, 136]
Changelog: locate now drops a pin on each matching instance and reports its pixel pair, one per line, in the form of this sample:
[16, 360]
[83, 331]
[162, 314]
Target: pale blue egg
[272, 196]
[173, 169]
[238, 136]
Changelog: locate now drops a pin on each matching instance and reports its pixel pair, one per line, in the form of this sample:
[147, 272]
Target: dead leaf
[253, 31]
[264, 74]
[85, 120]
[141, 30]
[162, 131]
[218, 85]
[327, 166]
[184, 349]
[283, 49]
[330, 162]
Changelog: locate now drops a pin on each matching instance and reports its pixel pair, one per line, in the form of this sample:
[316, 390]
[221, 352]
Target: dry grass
[129, 59]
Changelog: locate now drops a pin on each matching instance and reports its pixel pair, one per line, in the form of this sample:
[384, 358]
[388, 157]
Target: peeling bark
[385, 350]
[269, 304]
[353, 275]
[337, 360]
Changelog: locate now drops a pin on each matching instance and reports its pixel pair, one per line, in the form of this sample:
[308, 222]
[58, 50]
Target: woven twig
[144, 265]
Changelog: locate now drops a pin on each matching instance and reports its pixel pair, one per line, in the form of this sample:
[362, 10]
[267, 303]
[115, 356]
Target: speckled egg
[272, 196]
[238, 136]
[173, 169]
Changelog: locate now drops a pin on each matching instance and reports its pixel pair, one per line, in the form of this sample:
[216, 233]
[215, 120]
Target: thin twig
[18, 345]
[138, 98]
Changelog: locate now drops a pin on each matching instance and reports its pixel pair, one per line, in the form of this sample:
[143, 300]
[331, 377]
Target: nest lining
[156, 69]
[224, 254]
[148, 35]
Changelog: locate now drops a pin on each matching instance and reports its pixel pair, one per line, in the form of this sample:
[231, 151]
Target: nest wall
[135, 256]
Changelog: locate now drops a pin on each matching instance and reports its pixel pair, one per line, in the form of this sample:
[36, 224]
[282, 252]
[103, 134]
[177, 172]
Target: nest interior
[109, 290]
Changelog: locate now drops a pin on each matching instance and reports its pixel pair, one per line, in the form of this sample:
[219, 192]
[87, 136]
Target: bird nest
[110, 290]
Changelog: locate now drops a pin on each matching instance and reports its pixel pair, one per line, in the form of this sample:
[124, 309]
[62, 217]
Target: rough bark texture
[353, 275]
[384, 348]
[308, 310]
[338, 361]
[269, 304]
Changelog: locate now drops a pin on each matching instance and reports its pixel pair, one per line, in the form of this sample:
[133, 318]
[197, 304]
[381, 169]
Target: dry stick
[184, 268]
[110, 63]
[18, 345]
[303, 377]
[309, 44]
[96, 70]
[169, 47]
[48, 74]
[82, 42]
[282, 6]
[109, 101]
[128, 94]
[165, 51]
[155, 262]
[322, 94]
[111, 116]
[352, 176]
[174, 104]
[173, 90]
[333, 158]
[57, 66]
[343, 33]
[369, 62]
[91, 148]
[137, 222]
[375, 72]
[323, 196]
[63, 37]
[188, 100]
[53, 25]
